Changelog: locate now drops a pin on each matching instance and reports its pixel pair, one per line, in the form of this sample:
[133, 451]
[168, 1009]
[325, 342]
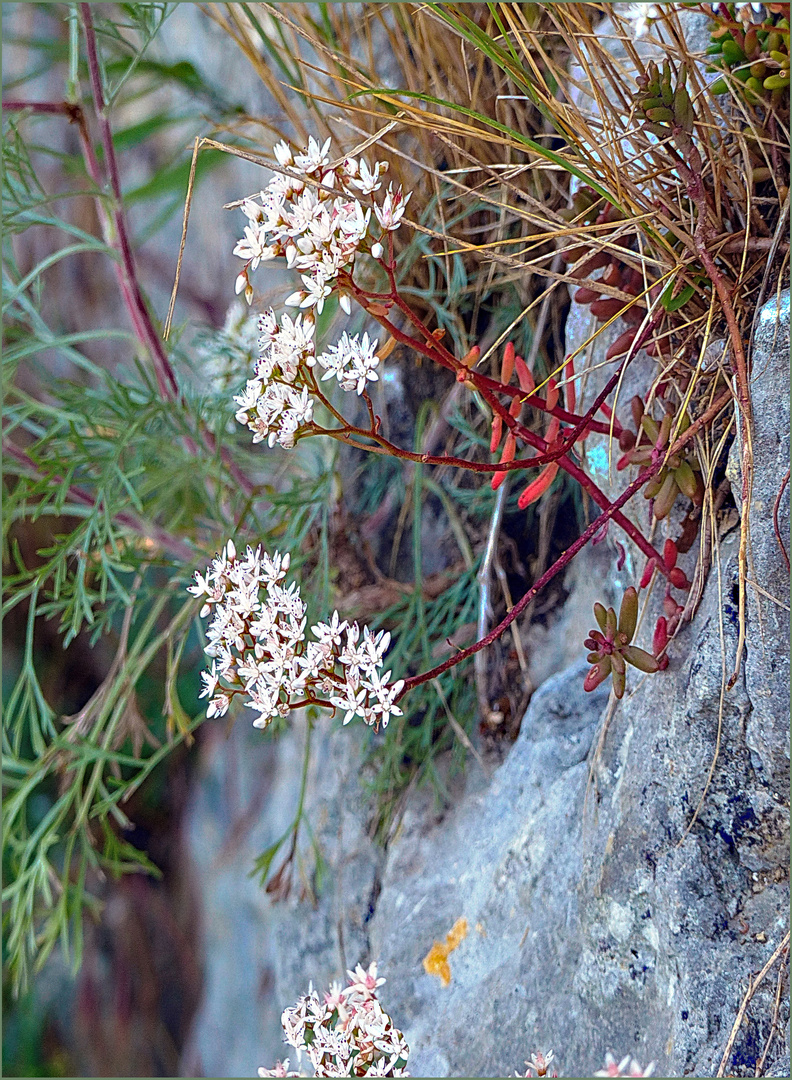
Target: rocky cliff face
[599, 919]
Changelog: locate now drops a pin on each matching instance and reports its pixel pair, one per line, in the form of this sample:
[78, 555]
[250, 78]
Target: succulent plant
[610, 646]
[664, 104]
[756, 53]
[681, 473]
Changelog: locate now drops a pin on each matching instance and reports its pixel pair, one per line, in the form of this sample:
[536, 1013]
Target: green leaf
[261, 866]
[674, 303]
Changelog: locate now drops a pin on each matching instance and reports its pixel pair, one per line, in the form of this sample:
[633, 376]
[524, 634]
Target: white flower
[367, 180]
[254, 248]
[330, 633]
[314, 158]
[210, 680]
[284, 157]
[614, 1069]
[268, 328]
[281, 1069]
[353, 702]
[352, 361]
[392, 210]
[377, 250]
[641, 15]
[218, 706]
[316, 291]
[385, 693]
[365, 980]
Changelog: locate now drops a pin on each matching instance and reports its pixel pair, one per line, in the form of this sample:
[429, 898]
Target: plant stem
[166, 379]
[114, 232]
[570, 553]
[489, 387]
[703, 236]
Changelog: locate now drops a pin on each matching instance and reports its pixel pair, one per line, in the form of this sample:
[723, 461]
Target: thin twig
[760, 1063]
[776, 509]
[753, 986]
[187, 205]
[572, 550]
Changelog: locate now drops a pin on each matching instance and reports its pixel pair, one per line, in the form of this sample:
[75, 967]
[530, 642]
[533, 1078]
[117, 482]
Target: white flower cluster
[318, 232]
[352, 361]
[346, 1034]
[277, 401]
[259, 649]
[539, 1065]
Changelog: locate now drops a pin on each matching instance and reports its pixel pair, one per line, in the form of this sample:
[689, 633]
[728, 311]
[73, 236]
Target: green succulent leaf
[640, 659]
[628, 613]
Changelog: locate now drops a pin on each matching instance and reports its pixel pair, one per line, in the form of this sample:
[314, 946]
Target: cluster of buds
[348, 1033]
[259, 649]
[610, 646]
[753, 46]
[648, 444]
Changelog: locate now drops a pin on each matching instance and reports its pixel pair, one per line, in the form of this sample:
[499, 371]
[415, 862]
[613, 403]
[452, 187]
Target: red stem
[569, 554]
[489, 387]
[166, 378]
[115, 233]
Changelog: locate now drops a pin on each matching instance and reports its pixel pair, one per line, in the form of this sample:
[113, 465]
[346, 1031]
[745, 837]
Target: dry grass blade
[753, 986]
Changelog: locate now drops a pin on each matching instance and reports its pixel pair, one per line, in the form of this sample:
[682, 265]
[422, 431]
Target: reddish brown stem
[435, 350]
[703, 236]
[166, 378]
[569, 554]
[489, 387]
[115, 232]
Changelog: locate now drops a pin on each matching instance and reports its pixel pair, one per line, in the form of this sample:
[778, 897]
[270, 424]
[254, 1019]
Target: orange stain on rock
[436, 960]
